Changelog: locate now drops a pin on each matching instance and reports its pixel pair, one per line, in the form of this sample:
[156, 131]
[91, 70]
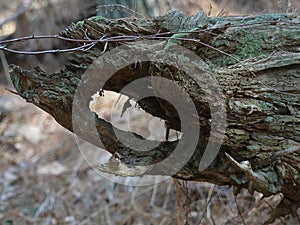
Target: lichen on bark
[256, 62]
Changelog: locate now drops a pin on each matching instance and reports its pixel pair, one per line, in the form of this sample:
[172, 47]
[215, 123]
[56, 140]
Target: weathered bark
[259, 80]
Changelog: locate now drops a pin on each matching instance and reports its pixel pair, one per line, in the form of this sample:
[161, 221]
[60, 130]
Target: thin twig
[272, 208]
[5, 69]
[31, 37]
[80, 48]
[239, 210]
[89, 43]
[210, 196]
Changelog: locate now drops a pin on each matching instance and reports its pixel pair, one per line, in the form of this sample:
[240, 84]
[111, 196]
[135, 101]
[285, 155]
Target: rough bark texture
[260, 83]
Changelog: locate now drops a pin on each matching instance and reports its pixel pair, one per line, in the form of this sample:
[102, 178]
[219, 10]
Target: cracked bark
[260, 150]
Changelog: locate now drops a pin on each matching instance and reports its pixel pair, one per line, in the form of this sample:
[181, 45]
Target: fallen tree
[244, 86]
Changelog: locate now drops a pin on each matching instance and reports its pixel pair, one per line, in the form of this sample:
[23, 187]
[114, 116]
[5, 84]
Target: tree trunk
[242, 76]
[124, 8]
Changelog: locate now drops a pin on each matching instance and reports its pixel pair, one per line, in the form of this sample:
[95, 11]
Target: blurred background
[43, 176]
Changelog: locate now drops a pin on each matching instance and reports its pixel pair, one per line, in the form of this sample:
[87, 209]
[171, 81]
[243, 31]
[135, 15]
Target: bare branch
[84, 47]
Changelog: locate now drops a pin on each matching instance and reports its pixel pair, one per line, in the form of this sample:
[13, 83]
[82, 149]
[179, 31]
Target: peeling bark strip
[259, 76]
